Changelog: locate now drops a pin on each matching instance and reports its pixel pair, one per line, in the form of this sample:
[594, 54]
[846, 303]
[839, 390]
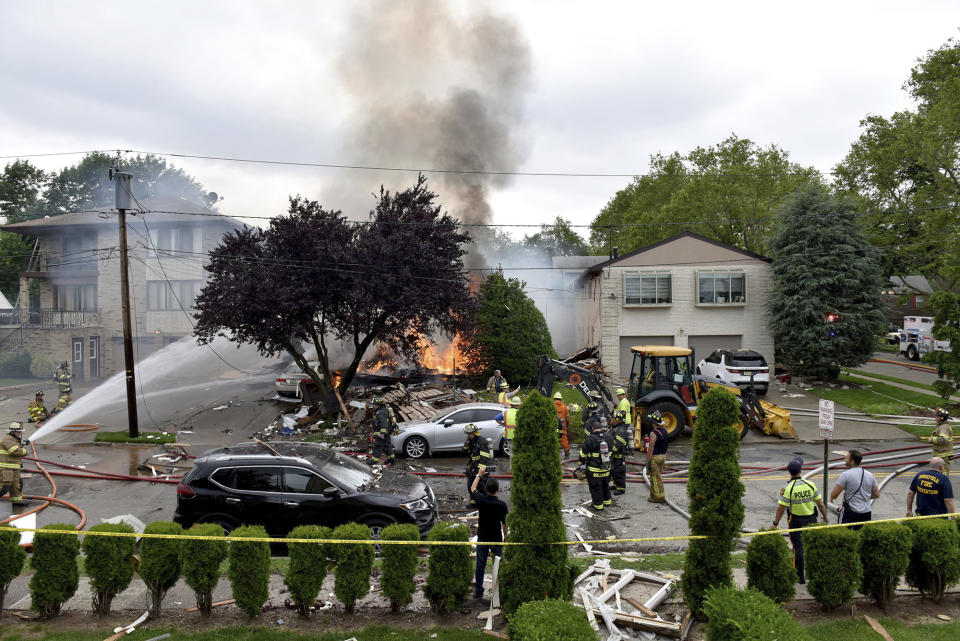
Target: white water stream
[171, 378]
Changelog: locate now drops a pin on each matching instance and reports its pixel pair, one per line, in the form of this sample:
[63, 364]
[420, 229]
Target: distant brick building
[69, 303]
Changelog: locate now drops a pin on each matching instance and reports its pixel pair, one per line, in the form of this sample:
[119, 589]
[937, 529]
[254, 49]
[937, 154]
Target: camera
[491, 469]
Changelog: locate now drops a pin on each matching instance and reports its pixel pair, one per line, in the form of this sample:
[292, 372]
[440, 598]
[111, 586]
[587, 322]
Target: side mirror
[448, 422]
[331, 492]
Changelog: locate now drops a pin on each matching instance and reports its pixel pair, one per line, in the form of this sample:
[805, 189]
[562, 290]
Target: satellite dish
[212, 198]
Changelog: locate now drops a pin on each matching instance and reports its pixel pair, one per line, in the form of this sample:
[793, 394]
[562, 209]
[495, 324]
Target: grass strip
[876, 398]
[145, 438]
[859, 630]
[892, 379]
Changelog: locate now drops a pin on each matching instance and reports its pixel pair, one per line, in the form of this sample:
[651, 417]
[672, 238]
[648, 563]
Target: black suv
[305, 484]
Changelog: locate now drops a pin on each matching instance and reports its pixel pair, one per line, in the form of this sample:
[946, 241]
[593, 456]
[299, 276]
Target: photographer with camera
[491, 525]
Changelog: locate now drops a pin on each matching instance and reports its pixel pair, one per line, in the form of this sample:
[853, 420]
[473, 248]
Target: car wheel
[699, 371]
[673, 417]
[416, 447]
[912, 353]
[227, 525]
[505, 447]
[376, 526]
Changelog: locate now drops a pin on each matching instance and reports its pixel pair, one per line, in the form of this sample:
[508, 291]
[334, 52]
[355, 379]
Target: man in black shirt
[491, 525]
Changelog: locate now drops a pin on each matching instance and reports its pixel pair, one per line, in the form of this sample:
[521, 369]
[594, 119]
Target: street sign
[826, 419]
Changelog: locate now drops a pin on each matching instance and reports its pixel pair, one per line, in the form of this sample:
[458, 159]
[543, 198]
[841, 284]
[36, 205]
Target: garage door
[626, 356]
[705, 344]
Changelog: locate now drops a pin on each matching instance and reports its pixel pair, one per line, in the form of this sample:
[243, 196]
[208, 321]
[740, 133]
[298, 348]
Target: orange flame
[432, 357]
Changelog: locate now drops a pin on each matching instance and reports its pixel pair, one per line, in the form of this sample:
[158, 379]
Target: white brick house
[69, 304]
[686, 290]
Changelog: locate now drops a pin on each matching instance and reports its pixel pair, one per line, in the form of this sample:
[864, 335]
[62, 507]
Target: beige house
[686, 290]
[69, 304]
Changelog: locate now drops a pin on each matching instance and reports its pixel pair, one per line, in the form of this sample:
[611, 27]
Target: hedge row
[110, 565]
[841, 561]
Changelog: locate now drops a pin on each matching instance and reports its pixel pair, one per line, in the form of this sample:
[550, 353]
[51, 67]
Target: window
[175, 239]
[721, 288]
[462, 418]
[300, 481]
[486, 415]
[647, 288]
[163, 296]
[79, 252]
[223, 476]
[257, 479]
[75, 298]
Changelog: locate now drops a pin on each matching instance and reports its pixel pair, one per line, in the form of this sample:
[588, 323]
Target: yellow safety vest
[509, 423]
[800, 497]
[624, 406]
[503, 399]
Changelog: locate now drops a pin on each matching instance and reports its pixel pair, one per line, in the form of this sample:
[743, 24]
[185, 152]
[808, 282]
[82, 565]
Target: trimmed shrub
[249, 570]
[550, 620]
[15, 365]
[160, 563]
[351, 577]
[934, 557]
[884, 554]
[201, 562]
[308, 566]
[748, 615]
[715, 492]
[42, 367]
[12, 558]
[55, 560]
[770, 567]
[109, 562]
[398, 564]
[540, 570]
[832, 564]
[449, 569]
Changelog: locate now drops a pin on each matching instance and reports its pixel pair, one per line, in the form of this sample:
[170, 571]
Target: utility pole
[123, 204]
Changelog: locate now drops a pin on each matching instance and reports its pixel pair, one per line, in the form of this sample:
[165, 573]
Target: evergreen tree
[540, 570]
[509, 332]
[825, 305]
[715, 491]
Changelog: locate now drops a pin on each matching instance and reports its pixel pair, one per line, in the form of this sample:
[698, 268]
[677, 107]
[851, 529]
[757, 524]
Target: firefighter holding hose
[12, 452]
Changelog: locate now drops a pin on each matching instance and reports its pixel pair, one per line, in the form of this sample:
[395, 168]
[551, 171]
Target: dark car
[305, 484]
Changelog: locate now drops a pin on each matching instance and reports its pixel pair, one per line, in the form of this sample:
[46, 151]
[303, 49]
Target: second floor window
[164, 296]
[721, 288]
[75, 298]
[647, 288]
[176, 240]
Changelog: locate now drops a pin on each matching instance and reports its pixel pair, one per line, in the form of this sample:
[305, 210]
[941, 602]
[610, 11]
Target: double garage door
[703, 345]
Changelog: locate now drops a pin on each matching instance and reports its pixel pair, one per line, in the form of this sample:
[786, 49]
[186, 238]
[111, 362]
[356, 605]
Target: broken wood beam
[212, 605]
[644, 610]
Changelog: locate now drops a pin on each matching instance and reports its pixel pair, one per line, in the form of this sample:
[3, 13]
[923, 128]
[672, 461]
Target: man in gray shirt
[858, 487]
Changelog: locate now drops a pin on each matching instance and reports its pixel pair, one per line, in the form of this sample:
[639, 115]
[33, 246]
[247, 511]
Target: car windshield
[342, 470]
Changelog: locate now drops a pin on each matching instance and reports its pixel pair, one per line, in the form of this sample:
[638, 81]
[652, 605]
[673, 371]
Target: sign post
[826, 433]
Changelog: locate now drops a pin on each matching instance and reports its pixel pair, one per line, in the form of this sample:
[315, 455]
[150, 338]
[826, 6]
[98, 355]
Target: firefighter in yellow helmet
[12, 452]
[942, 439]
[38, 413]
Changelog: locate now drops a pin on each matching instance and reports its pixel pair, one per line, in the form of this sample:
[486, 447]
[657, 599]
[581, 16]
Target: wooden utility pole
[124, 197]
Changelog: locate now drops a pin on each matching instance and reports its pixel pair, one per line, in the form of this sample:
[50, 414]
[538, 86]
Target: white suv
[735, 366]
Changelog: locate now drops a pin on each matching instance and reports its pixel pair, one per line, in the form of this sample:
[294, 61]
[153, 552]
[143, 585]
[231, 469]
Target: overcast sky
[604, 86]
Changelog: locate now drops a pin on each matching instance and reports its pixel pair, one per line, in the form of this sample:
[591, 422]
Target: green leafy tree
[160, 560]
[558, 239]
[715, 491]
[903, 170]
[109, 562]
[728, 192]
[509, 332]
[249, 570]
[21, 185]
[56, 576]
[825, 305]
[540, 569]
[946, 327]
[308, 566]
[201, 563]
[12, 558]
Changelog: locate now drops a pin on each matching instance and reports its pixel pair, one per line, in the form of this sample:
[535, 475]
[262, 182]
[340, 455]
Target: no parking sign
[826, 419]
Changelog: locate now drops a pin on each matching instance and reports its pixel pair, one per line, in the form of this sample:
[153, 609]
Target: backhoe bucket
[777, 421]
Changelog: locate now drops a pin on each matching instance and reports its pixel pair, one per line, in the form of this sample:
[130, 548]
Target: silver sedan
[444, 432]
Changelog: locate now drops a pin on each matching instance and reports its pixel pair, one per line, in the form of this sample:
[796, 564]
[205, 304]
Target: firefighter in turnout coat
[595, 463]
[478, 450]
[385, 426]
[12, 452]
[620, 434]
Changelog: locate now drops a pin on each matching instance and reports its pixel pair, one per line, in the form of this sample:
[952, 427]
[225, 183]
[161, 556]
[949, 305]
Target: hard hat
[621, 391]
[557, 396]
[64, 364]
[655, 417]
[516, 401]
[942, 413]
[592, 405]
[16, 426]
[594, 394]
[470, 428]
[40, 392]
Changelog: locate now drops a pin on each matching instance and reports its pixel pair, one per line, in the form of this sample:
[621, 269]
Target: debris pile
[587, 358]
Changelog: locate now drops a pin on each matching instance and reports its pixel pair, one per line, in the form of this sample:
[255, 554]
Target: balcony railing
[48, 318]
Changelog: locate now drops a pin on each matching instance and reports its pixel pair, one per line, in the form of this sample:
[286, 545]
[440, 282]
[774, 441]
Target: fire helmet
[942, 414]
[592, 405]
[620, 414]
[16, 426]
[655, 417]
[470, 428]
[39, 393]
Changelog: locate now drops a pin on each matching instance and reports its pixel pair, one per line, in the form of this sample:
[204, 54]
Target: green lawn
[257, 632]
[859, 630]
[9, 382]
[149, 438]
[878, 398]
[892, 379]
[921, 431]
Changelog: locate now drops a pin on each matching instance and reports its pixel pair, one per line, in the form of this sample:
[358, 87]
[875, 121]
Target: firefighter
[497, 383]
[12, 452]
[563, 423]
[38, 412]
[63, 379]
[385, 425]
[942, 439]
[620, 433]
[62, 402]
[479, 458]
[508, 419]
[656, 456]
[595, 465]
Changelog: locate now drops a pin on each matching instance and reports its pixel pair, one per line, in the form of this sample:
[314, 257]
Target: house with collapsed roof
[68, 308]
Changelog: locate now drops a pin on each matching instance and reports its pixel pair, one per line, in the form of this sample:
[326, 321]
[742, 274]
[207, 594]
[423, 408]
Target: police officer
[595, 464]
[800, 500]
[621, 436]
[12, 452]
[563, 422]
[478, 452]
[36, 409]
[942, 439]
[385, 425]
[62, 378]
[657, 456]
